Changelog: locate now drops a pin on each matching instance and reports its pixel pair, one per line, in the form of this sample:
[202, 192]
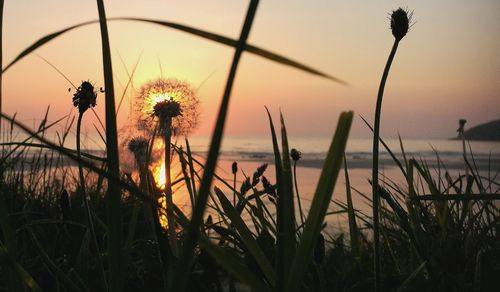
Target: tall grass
[181, 273]
[114, 192]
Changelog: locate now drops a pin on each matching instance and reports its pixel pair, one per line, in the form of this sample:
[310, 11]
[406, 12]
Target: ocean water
[359, 151]
[251, 153]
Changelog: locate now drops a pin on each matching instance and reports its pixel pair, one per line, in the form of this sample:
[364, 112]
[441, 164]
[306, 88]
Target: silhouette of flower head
[295, 154]
[234, 167]
[138, 146]
[461, 124]
[168, 98]
[400, 23]
[85, 97]
[166, 109]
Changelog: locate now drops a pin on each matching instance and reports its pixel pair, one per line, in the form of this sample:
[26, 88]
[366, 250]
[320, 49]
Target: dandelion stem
[86, 199]
[168, 188]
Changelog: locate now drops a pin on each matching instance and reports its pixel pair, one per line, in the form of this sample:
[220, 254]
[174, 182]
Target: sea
[440, 155]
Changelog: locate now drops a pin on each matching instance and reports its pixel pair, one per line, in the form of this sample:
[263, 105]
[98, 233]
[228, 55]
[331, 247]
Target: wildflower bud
[85, 97]
[400, 23]
[295, 154]
[235, 167]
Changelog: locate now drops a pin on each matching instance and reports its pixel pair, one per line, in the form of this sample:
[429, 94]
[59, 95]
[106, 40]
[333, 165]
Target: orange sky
[447, 67]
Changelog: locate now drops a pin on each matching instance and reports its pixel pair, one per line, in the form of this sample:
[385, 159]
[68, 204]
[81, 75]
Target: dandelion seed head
[138, 146]
[171, 97]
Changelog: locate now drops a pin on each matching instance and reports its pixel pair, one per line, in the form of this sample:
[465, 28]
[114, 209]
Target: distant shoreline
[480, 163]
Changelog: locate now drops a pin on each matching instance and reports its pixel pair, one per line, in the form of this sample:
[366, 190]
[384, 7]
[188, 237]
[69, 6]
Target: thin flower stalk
[400, 23]
[461, 135]
[296, 155]
[83, 99]
[166, 110]
[234, 169]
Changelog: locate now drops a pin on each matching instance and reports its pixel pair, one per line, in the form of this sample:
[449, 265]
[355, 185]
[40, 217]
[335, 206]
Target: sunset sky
[447, 67]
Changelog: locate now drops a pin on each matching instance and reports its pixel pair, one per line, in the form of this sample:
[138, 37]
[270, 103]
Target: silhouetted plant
[400, 23]
[234, 170]
[175, 105]
[84, 98]
[296, 155]
[460, 130]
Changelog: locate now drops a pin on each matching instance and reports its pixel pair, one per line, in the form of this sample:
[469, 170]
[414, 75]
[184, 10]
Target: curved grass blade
[182, 271]
[246, 236]
[319, 205]
[11, 265]
[67, 282]
[280, 259]
[113, 195]
[234, 265]
[353, 228]
[194, 31]
[287, 198]
[413, 275]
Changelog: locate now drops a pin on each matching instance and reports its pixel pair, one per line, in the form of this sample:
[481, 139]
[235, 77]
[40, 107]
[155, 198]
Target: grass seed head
[166, 98]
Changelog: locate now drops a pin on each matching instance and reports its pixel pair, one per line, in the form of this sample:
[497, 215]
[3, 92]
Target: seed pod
[85, 97]
[295, 154]
[235, 167]
[400, 23]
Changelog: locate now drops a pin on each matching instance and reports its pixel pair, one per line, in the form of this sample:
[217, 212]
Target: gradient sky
[447, 67]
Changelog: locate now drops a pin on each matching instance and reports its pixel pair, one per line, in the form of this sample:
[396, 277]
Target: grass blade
[319, 205]
[181, 273]
[233, 265]
[288, 203]
[353, 228]
[67, 282]
[280, 267]
[113, 194]
[246, 236]
[12, 266]
[194, 31]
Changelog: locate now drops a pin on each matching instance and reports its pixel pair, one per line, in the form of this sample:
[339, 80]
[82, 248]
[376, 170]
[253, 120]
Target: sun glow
[159, 174]
[154, 98]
